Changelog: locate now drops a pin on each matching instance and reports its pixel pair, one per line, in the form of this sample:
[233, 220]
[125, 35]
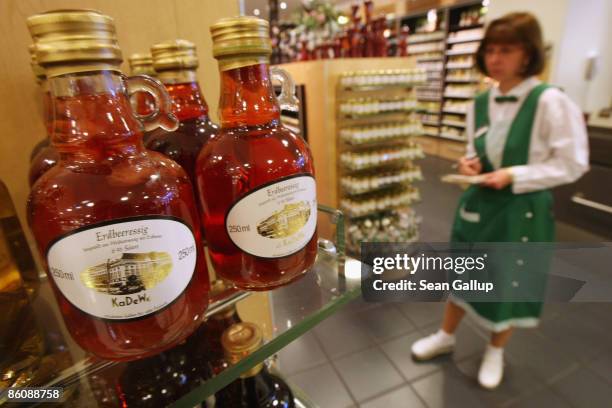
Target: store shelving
[466, 27]
[427, 37]
[452, 137]
[355, 186]
[453, 123]
[462, 80]
[380, 203]
[452, 78]
[451, 53]
[376, 155]
[450, 66]
[464, 40]
[458, 80]
[455, 111]
[430, 58]
[429, 122]
[323, 291]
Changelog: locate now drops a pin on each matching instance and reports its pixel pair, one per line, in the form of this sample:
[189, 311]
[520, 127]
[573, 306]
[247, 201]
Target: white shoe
[433, 345]
[492, 367]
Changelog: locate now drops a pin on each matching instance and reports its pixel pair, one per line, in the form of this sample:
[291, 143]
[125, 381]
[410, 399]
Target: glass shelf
[293, 309]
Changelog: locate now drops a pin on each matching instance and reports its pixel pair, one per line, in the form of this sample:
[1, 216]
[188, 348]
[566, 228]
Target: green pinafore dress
[488, 215]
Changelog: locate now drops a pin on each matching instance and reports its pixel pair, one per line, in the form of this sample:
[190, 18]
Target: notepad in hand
[461, 179]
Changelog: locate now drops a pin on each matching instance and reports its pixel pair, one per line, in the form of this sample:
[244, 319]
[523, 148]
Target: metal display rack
[377, 154]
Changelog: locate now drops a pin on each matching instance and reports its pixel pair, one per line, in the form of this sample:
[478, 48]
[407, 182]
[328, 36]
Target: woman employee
[525, 137]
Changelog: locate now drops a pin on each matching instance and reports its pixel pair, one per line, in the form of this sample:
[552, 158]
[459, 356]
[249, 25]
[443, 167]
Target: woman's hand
[497, 179]
[470, 167]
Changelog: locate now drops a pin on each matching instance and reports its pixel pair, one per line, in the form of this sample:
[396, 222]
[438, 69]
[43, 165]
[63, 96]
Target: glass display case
[185, 375]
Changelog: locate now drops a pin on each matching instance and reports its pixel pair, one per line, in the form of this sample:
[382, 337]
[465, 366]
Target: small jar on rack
[370, 134]
[460, 90]
[380, 202]
[395, 226]
[453, 106]
[382, 77]
[371, 106]
[364, 160]
[363, 184]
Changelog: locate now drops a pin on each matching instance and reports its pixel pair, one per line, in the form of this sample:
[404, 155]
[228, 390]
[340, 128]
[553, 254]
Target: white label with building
[124, 270]
[275, 220]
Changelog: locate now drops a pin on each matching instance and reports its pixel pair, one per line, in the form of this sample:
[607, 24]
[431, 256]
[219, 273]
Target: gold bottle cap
[39, 72]
[241, 41]
[69, 41]
[141, 64]
[174, 55]
[240, 340]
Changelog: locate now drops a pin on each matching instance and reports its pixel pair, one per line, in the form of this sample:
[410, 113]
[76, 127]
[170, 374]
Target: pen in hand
[471, 157]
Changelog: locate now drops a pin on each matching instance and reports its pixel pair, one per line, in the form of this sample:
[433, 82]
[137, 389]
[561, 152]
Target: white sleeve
[470, 150]
[563, 154]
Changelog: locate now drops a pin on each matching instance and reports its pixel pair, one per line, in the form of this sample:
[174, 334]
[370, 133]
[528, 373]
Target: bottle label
[275, 220]
[124, 269]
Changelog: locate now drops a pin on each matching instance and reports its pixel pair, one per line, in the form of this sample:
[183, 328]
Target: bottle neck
[47, 106]
[92, 116]
[187, 99]
[247, 97]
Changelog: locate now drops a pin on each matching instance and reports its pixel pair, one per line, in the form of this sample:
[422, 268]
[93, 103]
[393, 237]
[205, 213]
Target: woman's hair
[515, 28]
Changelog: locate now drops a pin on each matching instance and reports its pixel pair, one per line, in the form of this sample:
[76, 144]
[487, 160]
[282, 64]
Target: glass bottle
[43, 155]
[15, 255]
[257, 387]
[357, 40]
[41, 80]
[256, 179]
[20, 340]
[142, 64]
[337, 47]
[402, 48]
[382, 45]
[30, 355]
[116, 224]
[369, 36]
[160, 380]
[175, 63]
[215, 326]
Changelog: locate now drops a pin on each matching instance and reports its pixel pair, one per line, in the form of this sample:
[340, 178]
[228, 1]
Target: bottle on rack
[116, 224]
[402, 48]
[142, 64]
[256, 179]
[345, 44]
[356, 35]
[380, 42]
[176, 63]
[20, 341]
[43, 155]
[256, 388]
[29, 354]
[369, 30]
[160, 380]
[303, 54]
[215, 326]
[17, 266]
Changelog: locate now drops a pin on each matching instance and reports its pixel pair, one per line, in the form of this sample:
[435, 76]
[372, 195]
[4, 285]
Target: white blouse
[558, 152]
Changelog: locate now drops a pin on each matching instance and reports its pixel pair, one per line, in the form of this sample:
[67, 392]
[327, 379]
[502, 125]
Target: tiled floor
[360, 357]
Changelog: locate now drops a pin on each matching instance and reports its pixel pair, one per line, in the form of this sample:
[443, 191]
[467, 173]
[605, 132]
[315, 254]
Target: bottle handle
[287, 99]
[162, 115]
